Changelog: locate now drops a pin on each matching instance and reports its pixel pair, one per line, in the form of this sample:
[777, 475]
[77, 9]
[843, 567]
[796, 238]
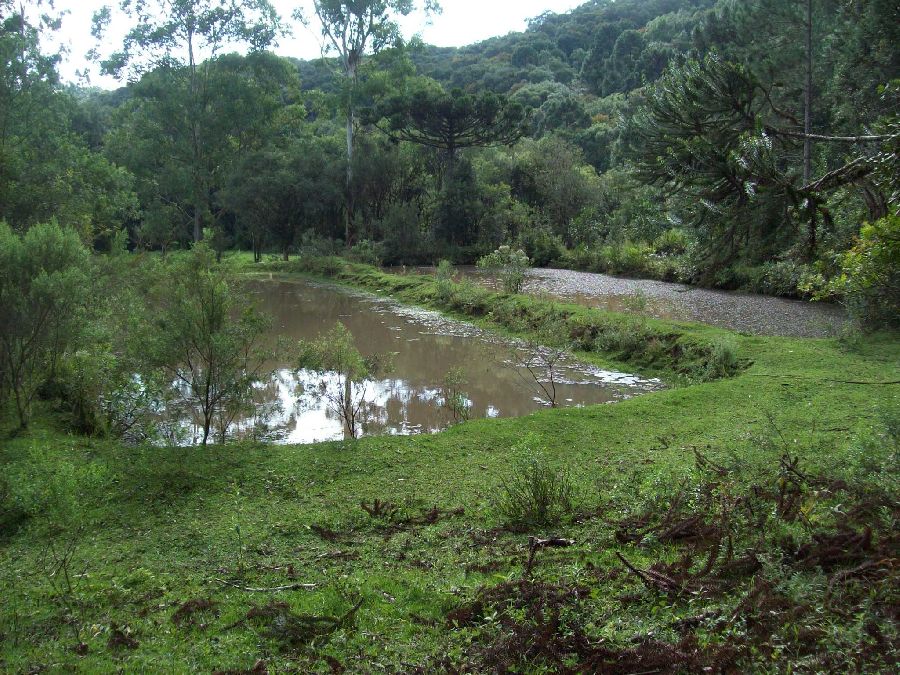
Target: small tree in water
[346, 374]
[510, 266]
[206, 342]
[542, 358]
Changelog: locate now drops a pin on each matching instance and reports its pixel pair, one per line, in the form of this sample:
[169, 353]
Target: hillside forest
[747, 145]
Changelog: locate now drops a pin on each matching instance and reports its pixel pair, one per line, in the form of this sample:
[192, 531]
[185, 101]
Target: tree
[510, 266]
[43, 290]
[352, 29]
[542, 358]
[710, 131]
[181, 39]
[346, 374]
[450, 122]
[207, 341]
[47, 169]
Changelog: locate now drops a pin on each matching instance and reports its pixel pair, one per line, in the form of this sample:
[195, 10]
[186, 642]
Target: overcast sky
[462, 22]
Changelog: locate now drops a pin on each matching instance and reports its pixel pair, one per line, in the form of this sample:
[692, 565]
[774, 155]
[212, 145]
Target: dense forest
[734, 144]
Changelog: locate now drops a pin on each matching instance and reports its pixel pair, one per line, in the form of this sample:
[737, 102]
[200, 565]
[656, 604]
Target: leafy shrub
[312, 245]
[404, 241]
[469, 298]
[443, 277]
[671, 242]
[870, 275]
[43, 292]
[535, 494]
[367, 252]
[510, 266]
[722, 360]
[541, 245]
[783, 278]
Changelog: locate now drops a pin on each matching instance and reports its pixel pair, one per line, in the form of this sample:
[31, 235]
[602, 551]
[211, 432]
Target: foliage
[452, 121]
[510, 266]
[43, 292]
[870, 274]
[454, 398]
[443, 278]
[346, 375]
[535, 494]
[206, 340]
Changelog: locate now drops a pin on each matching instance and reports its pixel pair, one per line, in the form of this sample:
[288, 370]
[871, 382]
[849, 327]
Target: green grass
[155, 528]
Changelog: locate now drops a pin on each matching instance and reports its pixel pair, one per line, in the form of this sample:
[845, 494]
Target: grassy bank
[755, 516]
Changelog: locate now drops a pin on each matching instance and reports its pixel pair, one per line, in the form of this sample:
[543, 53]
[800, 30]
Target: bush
[443, 277]
[541, 245]
[671, 242]
[722, 360]
[367, 252]
[535, 494]
[43, 291]
[510, 266]
[870, 275]
[783, 278]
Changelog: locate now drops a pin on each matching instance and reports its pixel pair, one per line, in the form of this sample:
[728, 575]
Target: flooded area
[743, 312]
[426, 346]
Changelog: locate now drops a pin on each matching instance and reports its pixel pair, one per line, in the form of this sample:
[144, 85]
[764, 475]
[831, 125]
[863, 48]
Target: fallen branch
[651, 579]
[535, 545]
[276, 589]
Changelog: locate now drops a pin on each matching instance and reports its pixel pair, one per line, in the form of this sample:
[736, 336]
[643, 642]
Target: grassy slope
[156, 528]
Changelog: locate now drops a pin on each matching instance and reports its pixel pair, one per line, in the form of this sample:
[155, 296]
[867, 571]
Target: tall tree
[183, 38]
[710, 130]
[451, 121]
[353, 29]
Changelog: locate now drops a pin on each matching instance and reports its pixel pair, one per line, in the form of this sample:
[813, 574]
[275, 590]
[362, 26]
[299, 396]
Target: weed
[535, 495]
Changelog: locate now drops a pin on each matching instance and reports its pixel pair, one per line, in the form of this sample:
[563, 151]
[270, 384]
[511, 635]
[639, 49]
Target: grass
[137, 559]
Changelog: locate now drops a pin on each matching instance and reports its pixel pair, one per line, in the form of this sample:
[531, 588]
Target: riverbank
[733, 310]
[743, 523]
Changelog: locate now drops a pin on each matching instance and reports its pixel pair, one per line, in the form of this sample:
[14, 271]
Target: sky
[462, 22]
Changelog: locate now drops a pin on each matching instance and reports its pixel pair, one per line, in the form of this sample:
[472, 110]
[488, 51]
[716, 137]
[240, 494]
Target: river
[426, 346]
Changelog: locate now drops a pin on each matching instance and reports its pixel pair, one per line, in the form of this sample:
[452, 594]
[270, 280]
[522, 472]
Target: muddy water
[744, 312]
[426, 346]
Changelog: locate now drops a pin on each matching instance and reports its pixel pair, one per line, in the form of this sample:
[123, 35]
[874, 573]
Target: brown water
[426, 346]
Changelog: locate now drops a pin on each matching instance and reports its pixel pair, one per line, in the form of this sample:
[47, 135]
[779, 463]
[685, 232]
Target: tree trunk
[807, 113]
[348, 211]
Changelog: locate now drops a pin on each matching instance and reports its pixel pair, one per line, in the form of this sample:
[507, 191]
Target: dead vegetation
[736, 551]
[393, 519]
[195, 613]
[291, 630]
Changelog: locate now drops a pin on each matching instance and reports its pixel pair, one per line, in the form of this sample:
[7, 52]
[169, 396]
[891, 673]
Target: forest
[314, 365]
[575, 140]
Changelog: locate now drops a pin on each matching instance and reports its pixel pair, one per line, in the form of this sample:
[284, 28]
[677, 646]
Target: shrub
[469, 298]
[367, 252]
[782, 278]
[870, 275]
[541, 245]
[722, 360]
[207, 340]
[443, 277]
[43, 291]
[535, 494]
[510, 266]
[671, 242]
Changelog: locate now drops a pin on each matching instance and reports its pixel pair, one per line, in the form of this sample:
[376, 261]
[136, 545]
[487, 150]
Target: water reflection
[426, 347]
